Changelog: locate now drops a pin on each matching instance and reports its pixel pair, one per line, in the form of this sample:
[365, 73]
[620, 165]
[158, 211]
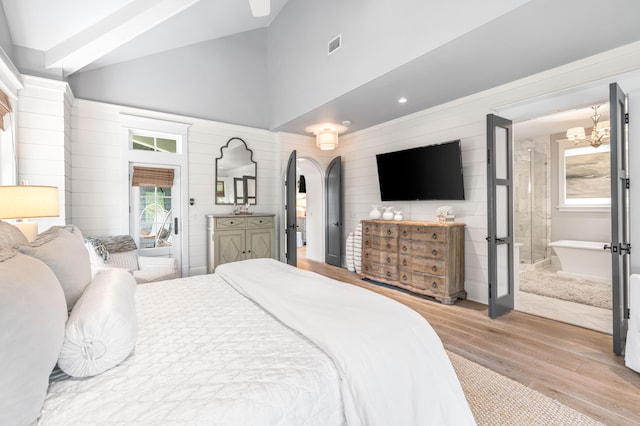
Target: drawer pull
[231, 222]
[366, 256]
[404, 233]
[366, 229]
[404, 277]
[434, 252]
[404, 248]
[404, 262]
[366, 243]
[388, 260]
[388, 273]
[260, 221]
[388, 231]
[434, 285]
[388, 245]
[434, 236]
[434, 268]
[418, 229]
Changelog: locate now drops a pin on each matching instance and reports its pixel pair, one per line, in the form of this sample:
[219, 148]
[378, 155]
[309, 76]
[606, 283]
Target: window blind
[149, 176]
[5, 107]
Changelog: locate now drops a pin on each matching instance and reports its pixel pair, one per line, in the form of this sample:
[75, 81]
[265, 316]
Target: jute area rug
[576, 290]
[497, 400]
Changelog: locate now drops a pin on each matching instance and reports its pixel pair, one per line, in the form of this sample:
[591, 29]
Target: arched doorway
[310, 209]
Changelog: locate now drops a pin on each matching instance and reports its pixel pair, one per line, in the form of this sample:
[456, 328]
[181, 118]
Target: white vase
[375, 212]
[388, 213]
[397, 216]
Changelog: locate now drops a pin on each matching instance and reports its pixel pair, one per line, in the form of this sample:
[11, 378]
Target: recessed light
[402, 100]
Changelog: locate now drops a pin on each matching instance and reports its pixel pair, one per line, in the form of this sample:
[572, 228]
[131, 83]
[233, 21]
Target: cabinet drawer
[380, 230]
[423, 264]
[424, 233]
[389, 258]
[427, 282]
[231, 222]
[423, 248]
[260, 222]
[380, 271]
[378, 243]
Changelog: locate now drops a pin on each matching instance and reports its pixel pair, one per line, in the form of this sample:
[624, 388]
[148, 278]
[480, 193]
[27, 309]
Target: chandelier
[599, 131]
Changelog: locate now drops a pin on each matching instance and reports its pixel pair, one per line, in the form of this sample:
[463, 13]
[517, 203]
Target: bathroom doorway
[309, 209]
[562, 193]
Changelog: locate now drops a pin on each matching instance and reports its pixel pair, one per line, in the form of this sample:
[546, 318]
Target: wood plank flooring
[570, 364]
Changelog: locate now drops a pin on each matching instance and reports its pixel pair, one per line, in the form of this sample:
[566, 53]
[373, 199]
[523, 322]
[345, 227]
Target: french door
[500, 215]
[334, 224]
[155, 205]
[291, 225]
[620, 242]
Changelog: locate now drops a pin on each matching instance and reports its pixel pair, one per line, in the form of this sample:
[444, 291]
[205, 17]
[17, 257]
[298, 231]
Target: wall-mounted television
[432, 172]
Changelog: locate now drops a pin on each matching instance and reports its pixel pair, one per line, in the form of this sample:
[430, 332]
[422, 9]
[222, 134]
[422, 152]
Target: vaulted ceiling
[429, 51]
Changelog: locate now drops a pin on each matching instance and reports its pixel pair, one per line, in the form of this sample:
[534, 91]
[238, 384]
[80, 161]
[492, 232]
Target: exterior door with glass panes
[154, 208]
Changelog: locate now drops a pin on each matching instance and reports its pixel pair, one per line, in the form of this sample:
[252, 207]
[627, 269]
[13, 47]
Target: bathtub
[583, 259]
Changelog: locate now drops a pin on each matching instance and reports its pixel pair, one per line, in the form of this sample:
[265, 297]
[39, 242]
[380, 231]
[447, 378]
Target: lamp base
[29, 229]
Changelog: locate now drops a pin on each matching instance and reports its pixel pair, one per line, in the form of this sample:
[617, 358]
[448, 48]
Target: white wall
[100, 170]
[465, 119]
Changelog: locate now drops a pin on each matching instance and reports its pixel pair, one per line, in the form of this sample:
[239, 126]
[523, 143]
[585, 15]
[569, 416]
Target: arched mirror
[236, 174]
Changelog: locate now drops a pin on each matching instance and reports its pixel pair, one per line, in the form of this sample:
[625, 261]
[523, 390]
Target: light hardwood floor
[570, 364]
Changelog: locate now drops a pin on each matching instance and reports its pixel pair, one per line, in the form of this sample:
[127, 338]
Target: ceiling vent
[335, 44]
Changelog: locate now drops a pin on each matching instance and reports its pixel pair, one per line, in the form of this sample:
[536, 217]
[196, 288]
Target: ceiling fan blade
[260, 8]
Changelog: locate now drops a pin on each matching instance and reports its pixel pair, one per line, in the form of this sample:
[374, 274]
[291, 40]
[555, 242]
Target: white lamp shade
[575, 133]
[23, 202]
[326, 140]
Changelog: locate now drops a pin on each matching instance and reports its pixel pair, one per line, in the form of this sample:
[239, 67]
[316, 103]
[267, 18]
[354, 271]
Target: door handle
[175, 225]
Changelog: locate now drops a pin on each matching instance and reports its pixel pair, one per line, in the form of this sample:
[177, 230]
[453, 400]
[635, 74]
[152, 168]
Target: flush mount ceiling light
[599, 131]
[402, 100]
[260, 8]
[326, 135]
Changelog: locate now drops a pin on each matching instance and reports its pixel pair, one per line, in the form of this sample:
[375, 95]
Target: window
[584, 177]
[151, 143]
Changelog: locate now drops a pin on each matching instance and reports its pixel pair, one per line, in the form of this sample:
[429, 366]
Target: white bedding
[205, 355]
[393, 367]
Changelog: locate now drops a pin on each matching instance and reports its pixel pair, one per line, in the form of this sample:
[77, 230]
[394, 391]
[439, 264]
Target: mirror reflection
[236, 174]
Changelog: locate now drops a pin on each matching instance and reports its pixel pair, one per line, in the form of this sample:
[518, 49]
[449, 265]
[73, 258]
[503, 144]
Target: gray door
[333, 253]
[500, 214]
[291, 250]
[620, 244]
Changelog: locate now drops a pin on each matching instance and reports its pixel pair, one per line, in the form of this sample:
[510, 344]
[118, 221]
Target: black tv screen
[432, 172]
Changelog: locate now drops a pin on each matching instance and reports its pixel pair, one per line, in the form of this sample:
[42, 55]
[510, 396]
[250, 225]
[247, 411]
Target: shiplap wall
[44, 141]
[100, 171]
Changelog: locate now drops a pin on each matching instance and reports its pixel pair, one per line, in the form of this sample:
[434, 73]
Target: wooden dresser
[423, 257]
[238, 237]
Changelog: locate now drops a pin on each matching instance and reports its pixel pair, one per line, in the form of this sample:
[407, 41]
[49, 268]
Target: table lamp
[26, 201]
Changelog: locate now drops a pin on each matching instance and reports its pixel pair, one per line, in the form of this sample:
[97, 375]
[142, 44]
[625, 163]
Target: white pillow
[32, 318]
[64, 252]
[102, 328]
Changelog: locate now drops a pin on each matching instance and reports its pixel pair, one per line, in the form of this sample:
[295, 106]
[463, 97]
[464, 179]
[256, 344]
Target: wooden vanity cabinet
[422, 257]
[231, 238]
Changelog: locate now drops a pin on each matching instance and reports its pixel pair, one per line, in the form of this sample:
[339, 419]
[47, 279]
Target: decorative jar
[375, 212]
[388, 213]
[397, 216]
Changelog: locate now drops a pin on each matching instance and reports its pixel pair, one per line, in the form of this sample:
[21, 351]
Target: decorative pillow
[102, 328]
[127, 260]
[11, 236]
[67, 257]
[32, 320]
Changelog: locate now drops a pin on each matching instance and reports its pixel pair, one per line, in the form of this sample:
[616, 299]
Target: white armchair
[121, 252]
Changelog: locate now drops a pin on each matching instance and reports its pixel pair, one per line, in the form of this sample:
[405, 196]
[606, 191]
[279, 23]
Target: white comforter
[205, 355]
[393, 367]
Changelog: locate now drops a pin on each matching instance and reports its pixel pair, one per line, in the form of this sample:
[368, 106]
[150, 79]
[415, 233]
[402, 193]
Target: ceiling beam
[112, 32]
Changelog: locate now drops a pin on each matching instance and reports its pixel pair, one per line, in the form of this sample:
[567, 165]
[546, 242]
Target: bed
[257, 342]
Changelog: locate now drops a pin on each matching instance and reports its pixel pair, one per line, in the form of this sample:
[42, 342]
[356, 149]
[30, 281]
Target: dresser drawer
[260, 222]
[424, 233]
[422, 248]
[427, 282]
[380, 230]
[231, 222]
[377, 270]
[378, 243]
[423, 264]
[382, 257]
